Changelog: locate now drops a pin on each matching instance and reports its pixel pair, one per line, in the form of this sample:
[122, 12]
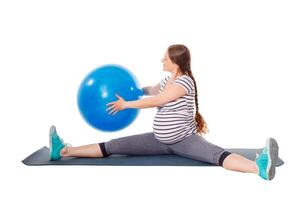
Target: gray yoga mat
[41, 157]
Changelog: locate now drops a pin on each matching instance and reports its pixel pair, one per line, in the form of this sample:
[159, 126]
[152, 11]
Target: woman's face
[168, 65]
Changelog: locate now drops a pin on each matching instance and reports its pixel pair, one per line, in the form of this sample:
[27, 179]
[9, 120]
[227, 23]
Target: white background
[245, 58]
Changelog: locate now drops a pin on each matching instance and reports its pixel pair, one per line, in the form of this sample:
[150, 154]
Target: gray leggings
[193, 146]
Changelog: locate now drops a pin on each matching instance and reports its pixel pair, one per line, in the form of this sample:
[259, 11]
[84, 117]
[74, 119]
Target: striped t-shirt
[174, 120]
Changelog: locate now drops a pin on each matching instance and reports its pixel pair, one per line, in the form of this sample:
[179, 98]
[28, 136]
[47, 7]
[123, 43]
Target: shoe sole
[52, 129]
[272, 156]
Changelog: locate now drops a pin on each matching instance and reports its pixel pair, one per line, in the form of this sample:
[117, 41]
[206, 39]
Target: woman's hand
[115, 106]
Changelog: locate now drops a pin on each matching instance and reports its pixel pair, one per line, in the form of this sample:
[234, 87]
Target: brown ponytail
[201, 124]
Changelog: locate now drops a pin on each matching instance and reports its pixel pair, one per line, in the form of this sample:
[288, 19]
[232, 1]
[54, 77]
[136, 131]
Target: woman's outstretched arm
[171, 93]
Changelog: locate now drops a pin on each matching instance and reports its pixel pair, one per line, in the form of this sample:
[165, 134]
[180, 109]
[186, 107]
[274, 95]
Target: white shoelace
[66, 144]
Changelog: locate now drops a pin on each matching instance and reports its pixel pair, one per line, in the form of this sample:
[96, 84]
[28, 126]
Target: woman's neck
[176, 75]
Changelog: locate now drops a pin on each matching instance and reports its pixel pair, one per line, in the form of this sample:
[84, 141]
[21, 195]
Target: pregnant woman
[178, 127]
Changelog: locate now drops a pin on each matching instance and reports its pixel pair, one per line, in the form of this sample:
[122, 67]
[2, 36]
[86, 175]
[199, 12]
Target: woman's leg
[89, 151]
[140, 144]
[264, 165]
[196, 147]
[236, 162]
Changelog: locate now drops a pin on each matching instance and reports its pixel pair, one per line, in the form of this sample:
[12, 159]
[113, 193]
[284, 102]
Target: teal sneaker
[55, 143]
[266, 160]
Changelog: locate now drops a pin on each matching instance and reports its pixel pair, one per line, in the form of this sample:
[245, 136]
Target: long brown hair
[180, 55]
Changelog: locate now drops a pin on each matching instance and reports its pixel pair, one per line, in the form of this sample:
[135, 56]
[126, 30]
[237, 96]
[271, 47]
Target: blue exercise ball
[100, 87]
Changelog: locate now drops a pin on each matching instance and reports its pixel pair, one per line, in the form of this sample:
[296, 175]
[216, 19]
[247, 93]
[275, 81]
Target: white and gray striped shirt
[174, 120]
